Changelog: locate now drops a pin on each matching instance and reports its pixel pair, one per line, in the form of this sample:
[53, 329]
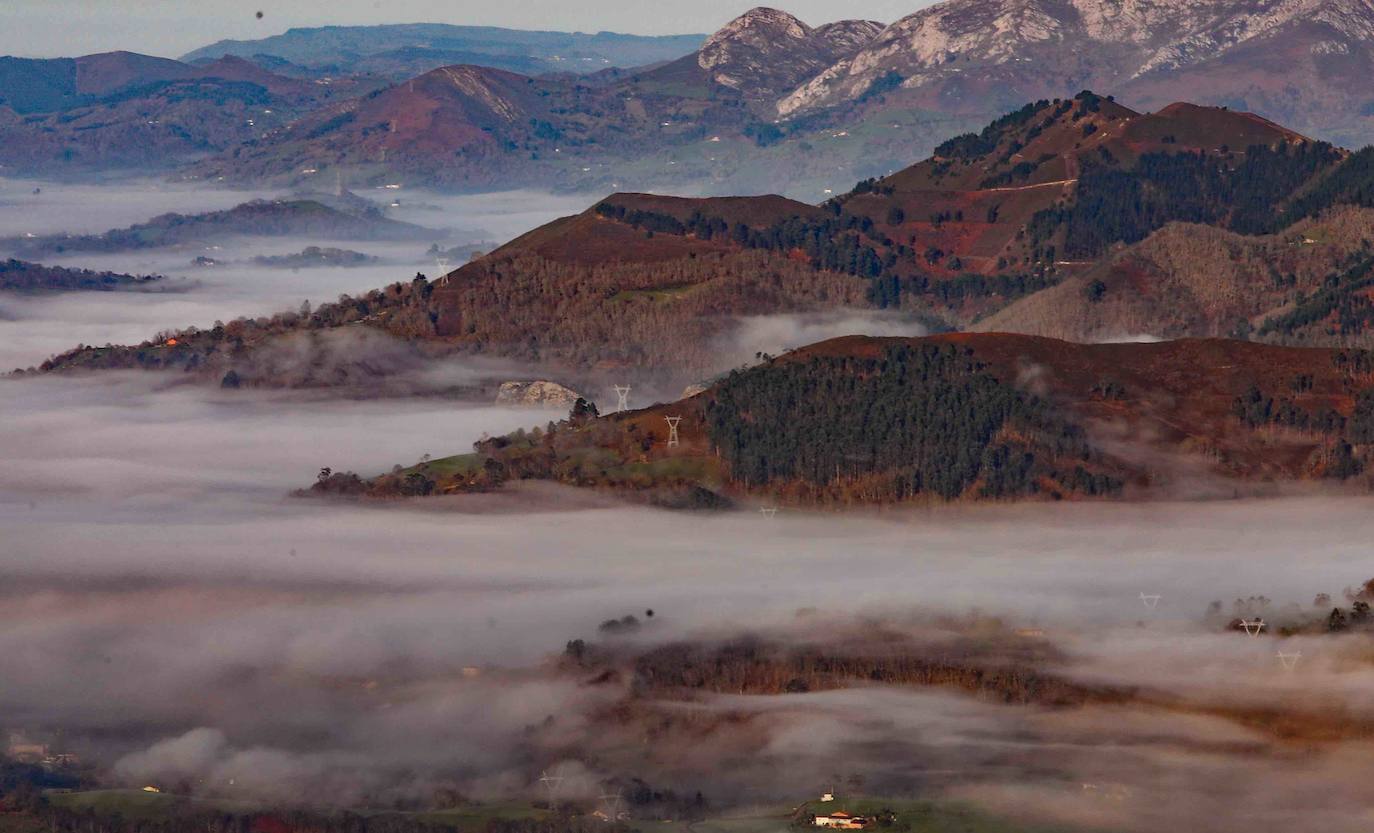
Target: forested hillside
[1302, 286]
[861, 421]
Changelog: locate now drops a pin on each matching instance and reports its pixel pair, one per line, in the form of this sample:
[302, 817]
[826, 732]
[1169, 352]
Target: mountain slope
[38, 85]
[1170, 47]
[464, 127]
[1305, 285]
[584, 296]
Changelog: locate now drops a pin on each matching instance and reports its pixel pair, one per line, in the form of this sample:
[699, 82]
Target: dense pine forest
[1235, 191]
[921, 419]
[1343, 300]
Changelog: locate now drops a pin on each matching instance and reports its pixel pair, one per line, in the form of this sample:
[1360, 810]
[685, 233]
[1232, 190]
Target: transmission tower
[622, 393]
[441, 263]
[613, 805]
[550, 782]
[768, 511]
[1289, 660]
[1150, 600]
[672, 430]
[1252, 626]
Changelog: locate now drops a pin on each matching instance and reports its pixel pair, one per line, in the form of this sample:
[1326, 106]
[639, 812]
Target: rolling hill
[861, 421]
[22, 276]
[1308, 284]
[273, 218]
[44, 85]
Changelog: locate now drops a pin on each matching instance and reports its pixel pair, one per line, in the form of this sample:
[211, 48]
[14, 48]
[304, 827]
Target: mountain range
[706, 115]
[818, 101]
[124, 110]
[401, 51]
[766, 99]
[769, 93]
[1293, 61]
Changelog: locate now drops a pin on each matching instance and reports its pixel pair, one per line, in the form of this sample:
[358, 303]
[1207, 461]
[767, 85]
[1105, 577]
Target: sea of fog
[33, 328]
[169, 610]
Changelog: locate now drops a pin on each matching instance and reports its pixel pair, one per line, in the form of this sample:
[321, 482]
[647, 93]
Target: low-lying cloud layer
[179, 620]
[775, 334]
[187, 624]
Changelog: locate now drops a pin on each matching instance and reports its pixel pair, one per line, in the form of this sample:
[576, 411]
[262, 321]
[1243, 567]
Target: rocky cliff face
[1039, 46]
[767, 51]
[537, 394]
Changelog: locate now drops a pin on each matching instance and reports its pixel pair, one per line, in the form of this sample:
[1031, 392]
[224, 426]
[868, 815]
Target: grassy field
[140, 805]
[131, 804]
[730, 824]
[457, 465]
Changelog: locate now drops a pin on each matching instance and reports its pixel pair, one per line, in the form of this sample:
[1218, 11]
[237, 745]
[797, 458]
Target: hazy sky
[47, 28]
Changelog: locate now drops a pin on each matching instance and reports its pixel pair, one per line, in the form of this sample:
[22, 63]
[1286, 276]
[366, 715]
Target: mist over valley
[956, 422]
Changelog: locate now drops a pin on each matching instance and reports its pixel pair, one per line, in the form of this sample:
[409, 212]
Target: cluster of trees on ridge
[755, 666]
[23, 276]
[1339, 458]
[1124, 205]
[1343, 299]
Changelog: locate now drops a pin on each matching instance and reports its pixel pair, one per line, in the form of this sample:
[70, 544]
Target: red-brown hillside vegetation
[1037, 205]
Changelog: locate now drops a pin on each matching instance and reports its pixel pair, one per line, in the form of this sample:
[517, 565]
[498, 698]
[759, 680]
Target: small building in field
[24, 750]
[841, 821]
